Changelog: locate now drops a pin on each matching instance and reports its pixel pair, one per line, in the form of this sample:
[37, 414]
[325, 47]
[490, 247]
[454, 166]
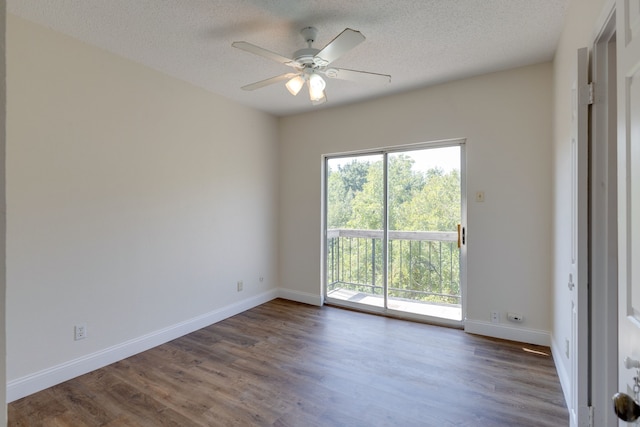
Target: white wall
[135, 204]
[579, 31]
[506, 119]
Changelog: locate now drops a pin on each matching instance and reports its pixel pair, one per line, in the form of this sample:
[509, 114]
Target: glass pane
[424, 213]
[355, 209]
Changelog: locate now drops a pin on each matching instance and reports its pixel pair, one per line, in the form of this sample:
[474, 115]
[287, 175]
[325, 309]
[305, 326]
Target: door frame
[578, 283]
[461, 142]
[603, 231]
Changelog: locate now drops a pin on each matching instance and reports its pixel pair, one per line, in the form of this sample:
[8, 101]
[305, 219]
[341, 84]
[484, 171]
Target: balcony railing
[424, 266]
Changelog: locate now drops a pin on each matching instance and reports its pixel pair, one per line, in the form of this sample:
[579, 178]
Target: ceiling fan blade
[267, 82]
[358, 76]
[344, 42]
[257, 50]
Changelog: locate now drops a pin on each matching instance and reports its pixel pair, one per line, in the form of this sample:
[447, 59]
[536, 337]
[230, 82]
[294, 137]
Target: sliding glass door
[355, 222]
[394, 224]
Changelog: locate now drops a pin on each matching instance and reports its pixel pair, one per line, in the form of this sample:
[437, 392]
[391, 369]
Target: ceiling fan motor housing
[305, 56]
[309, 34]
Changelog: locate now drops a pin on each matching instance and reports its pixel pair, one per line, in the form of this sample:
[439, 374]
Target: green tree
[367, 204]
[437, 206]
[404, 184]
[430, 266]
[343, 184]
[354, 175]
[338, 204]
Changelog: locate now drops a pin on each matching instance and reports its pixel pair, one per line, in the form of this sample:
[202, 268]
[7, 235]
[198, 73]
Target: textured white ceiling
[417, 42]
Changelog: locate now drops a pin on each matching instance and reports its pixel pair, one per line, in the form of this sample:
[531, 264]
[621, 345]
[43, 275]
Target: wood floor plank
[285, 364]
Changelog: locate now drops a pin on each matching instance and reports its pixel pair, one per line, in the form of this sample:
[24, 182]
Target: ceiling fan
[311, 64]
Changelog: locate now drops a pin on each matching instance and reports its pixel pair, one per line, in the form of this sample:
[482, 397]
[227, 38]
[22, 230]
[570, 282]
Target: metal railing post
[373, 264]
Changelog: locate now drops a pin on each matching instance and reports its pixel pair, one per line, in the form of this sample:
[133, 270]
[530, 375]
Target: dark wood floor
[288, 364]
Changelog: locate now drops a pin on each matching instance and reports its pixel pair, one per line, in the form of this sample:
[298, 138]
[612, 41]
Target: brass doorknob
[625, 407]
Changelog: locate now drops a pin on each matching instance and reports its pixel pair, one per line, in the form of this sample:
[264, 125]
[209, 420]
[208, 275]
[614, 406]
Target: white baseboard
[508, 332]
[565, 381]
[303, 297]
[46, 378]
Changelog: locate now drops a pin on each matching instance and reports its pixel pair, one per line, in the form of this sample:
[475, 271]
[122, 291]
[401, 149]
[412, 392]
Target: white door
[628, 33]
[578, 273]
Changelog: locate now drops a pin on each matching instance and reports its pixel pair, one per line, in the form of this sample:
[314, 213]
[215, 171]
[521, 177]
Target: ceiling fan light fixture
[316, 87]
[321, 100]
[295, 84]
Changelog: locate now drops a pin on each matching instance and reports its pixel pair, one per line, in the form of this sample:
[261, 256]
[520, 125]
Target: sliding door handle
[461, 236]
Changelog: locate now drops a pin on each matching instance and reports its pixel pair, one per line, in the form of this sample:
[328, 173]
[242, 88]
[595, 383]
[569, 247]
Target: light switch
[480, 196]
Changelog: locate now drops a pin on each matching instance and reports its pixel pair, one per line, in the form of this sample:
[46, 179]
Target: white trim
[41, 380]
[563, 375]
[603, 231]
[465, 227]
[303, 297]
[399, 148]
[508, 332]
[608, 11]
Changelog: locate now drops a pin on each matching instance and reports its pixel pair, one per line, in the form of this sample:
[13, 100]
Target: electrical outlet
[80, 332]
[240, 285]
[495, 317]
[515, 317]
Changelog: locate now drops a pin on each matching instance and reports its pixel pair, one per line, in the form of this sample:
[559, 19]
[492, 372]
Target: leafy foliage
[437, 206]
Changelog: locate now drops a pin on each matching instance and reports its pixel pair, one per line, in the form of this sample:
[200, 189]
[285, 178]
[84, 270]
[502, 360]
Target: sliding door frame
[384, 152]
